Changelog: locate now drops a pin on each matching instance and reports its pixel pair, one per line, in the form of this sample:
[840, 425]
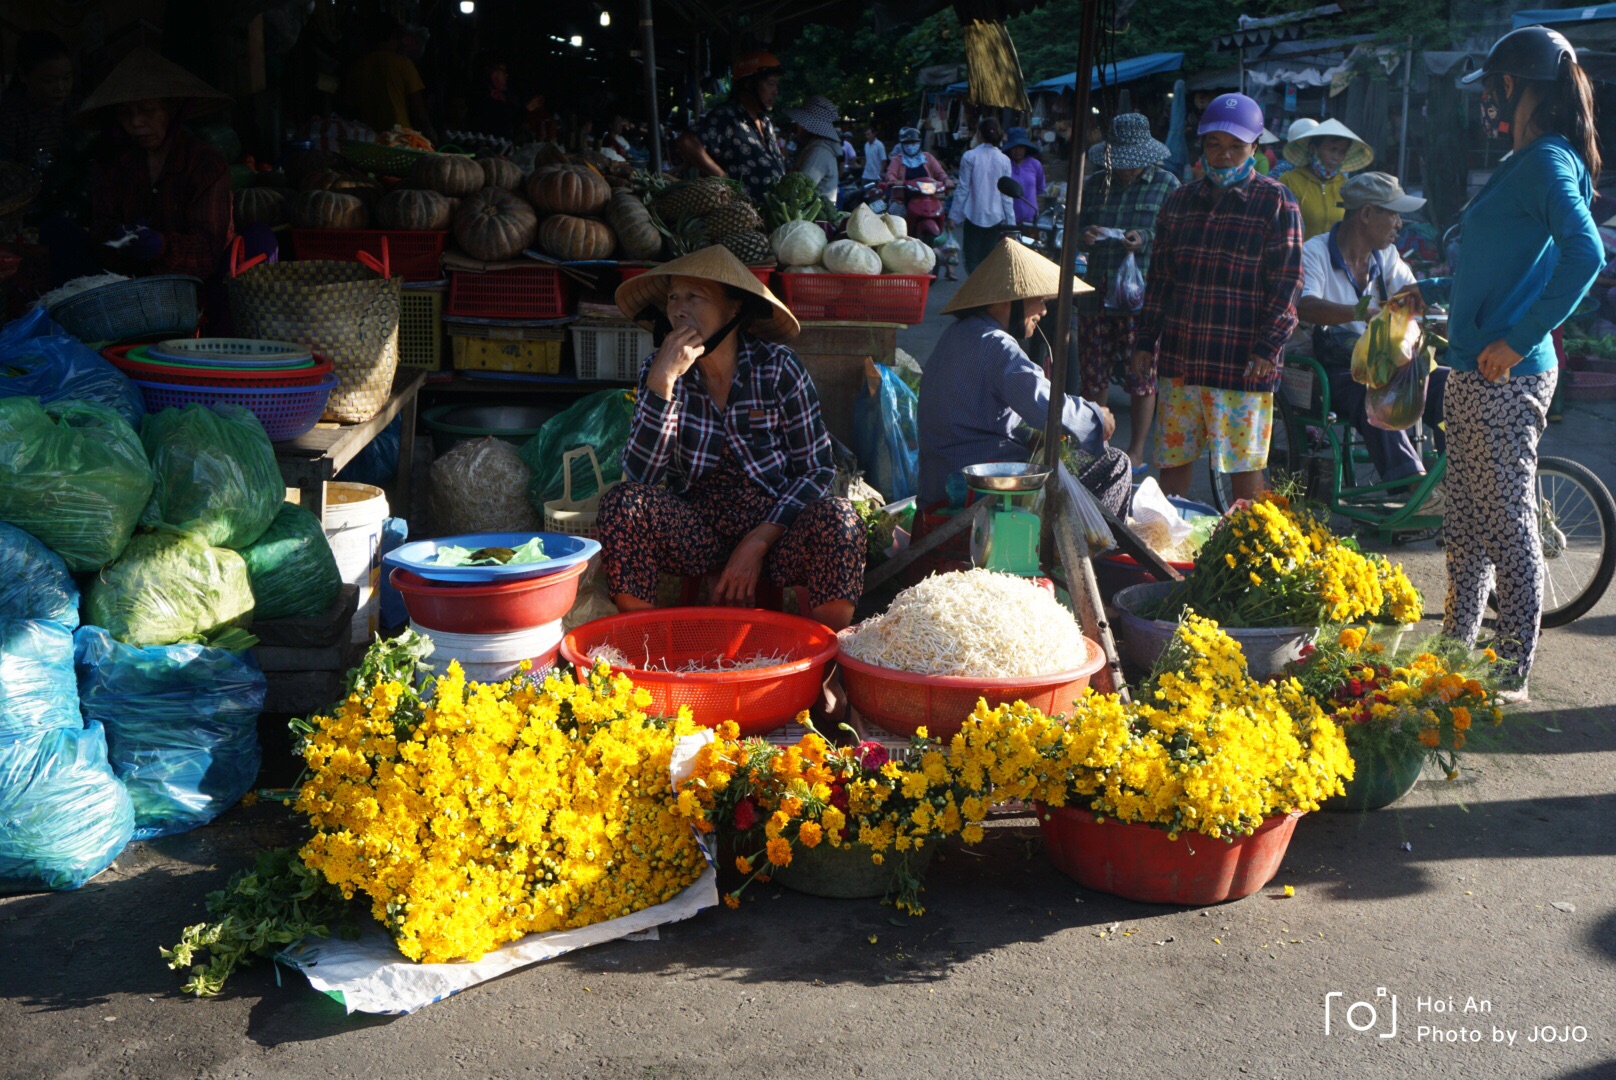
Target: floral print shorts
[1236, 425]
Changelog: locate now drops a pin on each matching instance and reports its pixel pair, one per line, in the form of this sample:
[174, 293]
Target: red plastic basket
[215, 377]
[764, 274]
[900, 702]
[759, 700]
[892, 298]
[503, 608]
[542, 292]
[415, 255]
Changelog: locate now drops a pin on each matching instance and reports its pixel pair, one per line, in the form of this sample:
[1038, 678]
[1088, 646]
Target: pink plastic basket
[285, 412]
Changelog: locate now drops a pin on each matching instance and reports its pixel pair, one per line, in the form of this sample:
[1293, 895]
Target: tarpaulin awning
[1551, 16]
[1122, 71]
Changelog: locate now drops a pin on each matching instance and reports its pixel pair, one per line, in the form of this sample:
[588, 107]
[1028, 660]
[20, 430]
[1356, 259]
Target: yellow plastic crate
[420, 329]
[538, 352]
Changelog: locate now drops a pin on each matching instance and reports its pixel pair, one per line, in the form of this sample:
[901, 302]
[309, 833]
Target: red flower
[1307, 651]
[1354, 688]
[745, 814]
[871, 755]
[838, 795]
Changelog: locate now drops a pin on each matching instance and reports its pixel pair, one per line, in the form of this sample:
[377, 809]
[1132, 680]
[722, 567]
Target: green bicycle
[1325, 457]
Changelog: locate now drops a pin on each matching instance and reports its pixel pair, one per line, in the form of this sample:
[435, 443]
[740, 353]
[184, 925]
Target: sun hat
[1017, 136]
[1267, 138]
[1300, 127]
[1130, 145]
[1011, 271]
[756, 62]
[1236, 114]
[1299, 151]
[817, 116]
[1378, 189]
[716, 263]
[145, 75]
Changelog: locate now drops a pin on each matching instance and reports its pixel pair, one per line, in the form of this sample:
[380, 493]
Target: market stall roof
[1277, 28]
[1118, 72]
[1551, 16]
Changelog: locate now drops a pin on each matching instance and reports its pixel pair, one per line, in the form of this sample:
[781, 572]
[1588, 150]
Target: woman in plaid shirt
[728, 463]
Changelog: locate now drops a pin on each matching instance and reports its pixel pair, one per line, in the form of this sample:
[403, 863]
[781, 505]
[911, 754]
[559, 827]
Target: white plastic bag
[1127, 290]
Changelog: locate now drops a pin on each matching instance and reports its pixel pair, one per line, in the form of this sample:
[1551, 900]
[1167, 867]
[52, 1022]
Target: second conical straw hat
[1011, 271]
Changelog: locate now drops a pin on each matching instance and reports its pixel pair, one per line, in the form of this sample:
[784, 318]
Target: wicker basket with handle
[576, 518]
[342, 310]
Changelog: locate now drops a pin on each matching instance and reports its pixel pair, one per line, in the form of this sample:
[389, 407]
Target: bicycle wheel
[1578, 520]
[1285, 448]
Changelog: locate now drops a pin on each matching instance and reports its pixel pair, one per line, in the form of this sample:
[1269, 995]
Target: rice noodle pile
[971, 623]
[618, 659]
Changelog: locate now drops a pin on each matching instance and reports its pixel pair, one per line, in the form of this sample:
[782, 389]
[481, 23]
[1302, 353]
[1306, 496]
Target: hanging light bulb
[577, 41]
[605, 18]
[467, 6]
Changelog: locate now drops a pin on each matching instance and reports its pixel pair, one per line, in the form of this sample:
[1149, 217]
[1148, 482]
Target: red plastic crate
[413, 255]
[764, 274]
[543, 292]
[891, 298]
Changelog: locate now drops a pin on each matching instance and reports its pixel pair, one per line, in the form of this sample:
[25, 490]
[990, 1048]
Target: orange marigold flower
[810, 834]
[1430, 739]
[743, 864]
[1461, 718]
[779, 851]
[730, 901]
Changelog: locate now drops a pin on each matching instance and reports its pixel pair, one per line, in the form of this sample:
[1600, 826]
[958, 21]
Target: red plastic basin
[488, 609]
[1138, 862]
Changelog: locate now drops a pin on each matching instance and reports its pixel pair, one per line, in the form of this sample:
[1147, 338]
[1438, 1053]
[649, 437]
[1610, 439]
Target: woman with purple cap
[1220, 304]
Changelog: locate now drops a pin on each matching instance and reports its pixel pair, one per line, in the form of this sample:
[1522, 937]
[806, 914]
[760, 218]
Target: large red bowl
[488, 609]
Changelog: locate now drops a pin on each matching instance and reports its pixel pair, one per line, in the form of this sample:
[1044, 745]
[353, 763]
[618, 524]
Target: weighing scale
[1006, 539]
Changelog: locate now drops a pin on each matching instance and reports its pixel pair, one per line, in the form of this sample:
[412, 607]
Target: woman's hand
[1259, 369]
[737, 586]
[680, 351]
[1091, 236]
[1496, 360]
[1132, 240]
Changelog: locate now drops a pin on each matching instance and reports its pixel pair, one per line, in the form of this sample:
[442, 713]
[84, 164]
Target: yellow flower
[809, 833]
[1461, 718]
[778, 851]
[1490, 656]
[1350, 638]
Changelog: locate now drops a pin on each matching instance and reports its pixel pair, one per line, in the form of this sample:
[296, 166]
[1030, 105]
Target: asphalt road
[1495, 891]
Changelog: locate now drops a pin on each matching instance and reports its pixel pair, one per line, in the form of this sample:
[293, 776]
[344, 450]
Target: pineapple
[727, 221]
[696, 198]
[685, 235]
[751, 247]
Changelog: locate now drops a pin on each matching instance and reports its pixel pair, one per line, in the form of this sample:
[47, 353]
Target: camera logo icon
[1364, 1017]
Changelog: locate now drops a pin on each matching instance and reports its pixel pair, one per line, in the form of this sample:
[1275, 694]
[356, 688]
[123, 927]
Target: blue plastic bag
[395, 531]
[63, 815]
[37, 689]
[40, 359]
[34, 582]
[886, 435]
[182, 726]
[377, 463]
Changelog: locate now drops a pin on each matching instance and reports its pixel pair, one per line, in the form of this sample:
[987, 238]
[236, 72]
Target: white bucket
[354, 514]
[494, 657]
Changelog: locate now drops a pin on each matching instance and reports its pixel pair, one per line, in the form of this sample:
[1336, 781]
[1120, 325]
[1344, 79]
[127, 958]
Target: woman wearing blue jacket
[1530, 250]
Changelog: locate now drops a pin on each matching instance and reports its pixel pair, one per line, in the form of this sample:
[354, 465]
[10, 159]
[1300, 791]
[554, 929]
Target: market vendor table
[311, 459]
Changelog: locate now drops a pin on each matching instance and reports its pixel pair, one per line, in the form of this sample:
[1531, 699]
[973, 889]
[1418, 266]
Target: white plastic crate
[609, 351]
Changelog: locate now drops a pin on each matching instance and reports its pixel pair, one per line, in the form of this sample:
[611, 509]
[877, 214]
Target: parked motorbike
[856, 193]
[922, 203]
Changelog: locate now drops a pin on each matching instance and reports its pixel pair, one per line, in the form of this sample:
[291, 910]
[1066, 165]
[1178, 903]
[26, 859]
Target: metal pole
[1074, 202]
[648, 47]
[1402, 133]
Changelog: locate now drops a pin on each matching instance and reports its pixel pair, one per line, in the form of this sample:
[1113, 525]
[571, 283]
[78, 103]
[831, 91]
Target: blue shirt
[1528, 254]
[977, 387]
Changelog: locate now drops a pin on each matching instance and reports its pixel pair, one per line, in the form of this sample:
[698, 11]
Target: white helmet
[1300, 128]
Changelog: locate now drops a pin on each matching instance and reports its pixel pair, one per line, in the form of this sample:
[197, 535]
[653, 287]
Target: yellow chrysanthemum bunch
[481, 813]
[1204, 749]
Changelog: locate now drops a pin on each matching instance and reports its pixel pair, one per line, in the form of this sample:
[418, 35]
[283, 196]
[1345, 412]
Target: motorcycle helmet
[1532, 52]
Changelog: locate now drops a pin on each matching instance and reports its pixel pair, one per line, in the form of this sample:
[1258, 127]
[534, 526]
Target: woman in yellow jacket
[1323, 158]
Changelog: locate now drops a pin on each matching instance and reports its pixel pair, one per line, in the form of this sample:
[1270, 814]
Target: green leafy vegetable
[171, 587]
[530, 552]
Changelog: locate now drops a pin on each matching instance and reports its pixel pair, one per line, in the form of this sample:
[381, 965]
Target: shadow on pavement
[1548, 731]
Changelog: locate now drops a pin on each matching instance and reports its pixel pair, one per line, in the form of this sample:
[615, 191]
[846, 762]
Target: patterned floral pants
[1491, 523]
[1106, 341]
[646, 531]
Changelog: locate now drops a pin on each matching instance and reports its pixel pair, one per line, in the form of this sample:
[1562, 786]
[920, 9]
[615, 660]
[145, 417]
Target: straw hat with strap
[1011, 272]
[1299, 151]
[641, 298]
[145, 75]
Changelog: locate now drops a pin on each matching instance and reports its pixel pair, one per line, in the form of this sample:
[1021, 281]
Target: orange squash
[568, 189]
[493, 224]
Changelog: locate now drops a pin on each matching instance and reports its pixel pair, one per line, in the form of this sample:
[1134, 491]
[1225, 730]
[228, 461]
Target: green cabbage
[169, 588]
[798, 243]
[293, 573]
[852, 257]
[908, 256]
[215, 471]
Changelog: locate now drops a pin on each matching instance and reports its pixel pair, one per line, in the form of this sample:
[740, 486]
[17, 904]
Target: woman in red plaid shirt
[1220, 303]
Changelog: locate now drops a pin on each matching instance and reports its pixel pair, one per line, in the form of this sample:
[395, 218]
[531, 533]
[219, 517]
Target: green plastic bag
[74, 476]
[215, 473]
[169, 588]
[293, 573]
[599, 420]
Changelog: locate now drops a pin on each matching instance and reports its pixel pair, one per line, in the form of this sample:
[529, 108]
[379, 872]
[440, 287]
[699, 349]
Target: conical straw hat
[145, 75]
[1299, 151]
[1011, 272]
[715, 263]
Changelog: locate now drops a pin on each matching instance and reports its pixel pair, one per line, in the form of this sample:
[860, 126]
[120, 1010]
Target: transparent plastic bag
[40, 359]
[169, 588]
[181, 723]
[34, 582]
[886, 433]
[66, 816]
[1391, 340]
[599, 420]
[215, 473]
[1079, 510]
[37, 691]
[74, 476]
[1399, 404]
[480, 487]
[1127, 289]
[291, 569]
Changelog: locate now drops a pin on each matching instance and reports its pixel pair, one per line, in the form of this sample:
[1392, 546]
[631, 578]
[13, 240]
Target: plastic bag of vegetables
[66, 815]
[215, 473]
[40, 359]
[1390, 341]
[291, 569]
[34, 582]
[72, 475]
[171, 587]
[852, 257]
[37, 692]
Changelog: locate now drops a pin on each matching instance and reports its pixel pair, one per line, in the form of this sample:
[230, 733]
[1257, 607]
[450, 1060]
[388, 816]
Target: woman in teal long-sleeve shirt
[1528, 253]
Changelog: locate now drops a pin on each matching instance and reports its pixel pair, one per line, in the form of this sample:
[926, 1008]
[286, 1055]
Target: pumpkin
[447, 174]
[328, 210]
[323, 179]
[304, 163]
[501, 173]
[568, 189]
[408, 208]
[631, 220]
[575, 239]
[549, 153]
[262, 206]
[493, 224]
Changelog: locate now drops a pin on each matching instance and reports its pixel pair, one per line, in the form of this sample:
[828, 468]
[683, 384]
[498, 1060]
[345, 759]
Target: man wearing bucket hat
[159, 196]
[1026, 170]
[737, 139]
[1220, 305]
[728, 464]
[819, 153]
[1322, 158]
[1124, 197]
[980, 389]
[1298, 128]
[1354, 260]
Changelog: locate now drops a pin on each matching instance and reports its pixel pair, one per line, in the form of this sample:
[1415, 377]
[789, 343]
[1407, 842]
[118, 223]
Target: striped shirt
[1223, 282]
[771, 423]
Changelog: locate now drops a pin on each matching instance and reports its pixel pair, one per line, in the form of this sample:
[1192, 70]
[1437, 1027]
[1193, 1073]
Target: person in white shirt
[1356, 258]
[978, 203]
[875, 156]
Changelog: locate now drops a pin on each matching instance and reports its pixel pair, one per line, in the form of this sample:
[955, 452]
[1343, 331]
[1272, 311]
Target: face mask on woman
[1494, 123]
[1324, 171]
[1230, 175]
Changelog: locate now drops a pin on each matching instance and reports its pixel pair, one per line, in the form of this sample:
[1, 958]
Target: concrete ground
[1485, 906]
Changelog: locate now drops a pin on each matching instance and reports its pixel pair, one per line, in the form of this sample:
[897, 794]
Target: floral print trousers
[1490, 526]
